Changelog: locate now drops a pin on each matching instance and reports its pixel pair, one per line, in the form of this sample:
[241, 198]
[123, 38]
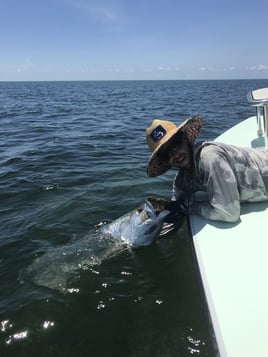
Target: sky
[133, 39]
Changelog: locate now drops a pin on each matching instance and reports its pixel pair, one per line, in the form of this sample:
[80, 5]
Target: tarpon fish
[141, 226]
[136, 228]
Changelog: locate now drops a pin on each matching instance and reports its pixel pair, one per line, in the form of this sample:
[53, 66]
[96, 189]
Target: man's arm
[220, 181]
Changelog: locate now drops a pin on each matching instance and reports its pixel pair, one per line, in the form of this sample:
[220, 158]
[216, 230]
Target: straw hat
[161, 132]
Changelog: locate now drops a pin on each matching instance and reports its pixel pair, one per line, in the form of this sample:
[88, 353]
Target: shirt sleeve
[182, 190]
[221, 185]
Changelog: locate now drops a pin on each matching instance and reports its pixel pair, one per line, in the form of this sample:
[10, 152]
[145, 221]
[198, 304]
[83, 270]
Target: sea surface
[73, 156]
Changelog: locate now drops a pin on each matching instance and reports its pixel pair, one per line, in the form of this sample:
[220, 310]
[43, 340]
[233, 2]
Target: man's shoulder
[204, 147]
[208, 154]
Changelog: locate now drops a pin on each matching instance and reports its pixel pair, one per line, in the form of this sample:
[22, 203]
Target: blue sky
[133, 39]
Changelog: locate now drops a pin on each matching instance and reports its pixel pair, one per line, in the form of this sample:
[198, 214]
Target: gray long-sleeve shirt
[228, 174]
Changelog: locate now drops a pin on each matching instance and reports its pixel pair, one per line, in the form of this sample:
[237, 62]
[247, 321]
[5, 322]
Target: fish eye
[139, 210]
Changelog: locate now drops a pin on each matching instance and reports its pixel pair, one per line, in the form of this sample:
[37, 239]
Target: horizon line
[132, 80]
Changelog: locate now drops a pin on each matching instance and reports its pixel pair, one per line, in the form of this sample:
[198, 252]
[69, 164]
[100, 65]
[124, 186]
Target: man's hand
[177, 210]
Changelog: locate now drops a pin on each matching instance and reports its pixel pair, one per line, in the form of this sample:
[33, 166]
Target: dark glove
[178, 210]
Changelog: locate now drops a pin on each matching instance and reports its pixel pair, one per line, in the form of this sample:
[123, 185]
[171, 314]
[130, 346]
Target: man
[228, 174]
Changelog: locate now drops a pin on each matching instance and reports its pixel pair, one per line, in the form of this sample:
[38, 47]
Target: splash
[58, 266]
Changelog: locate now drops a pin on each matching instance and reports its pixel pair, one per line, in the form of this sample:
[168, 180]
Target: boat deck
[233, 264]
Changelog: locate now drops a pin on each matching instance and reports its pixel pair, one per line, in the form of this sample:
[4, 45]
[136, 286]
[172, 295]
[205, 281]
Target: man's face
[178, 154]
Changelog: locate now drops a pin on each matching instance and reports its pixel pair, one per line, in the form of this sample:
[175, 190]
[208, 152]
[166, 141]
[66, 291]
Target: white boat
[232, 258]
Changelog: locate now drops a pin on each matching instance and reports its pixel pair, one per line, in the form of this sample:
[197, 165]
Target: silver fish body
[139, 227]
[57, 266]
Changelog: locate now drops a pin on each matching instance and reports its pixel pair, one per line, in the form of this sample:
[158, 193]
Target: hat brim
[191, 128]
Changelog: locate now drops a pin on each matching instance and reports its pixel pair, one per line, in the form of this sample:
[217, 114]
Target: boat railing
[259, 99]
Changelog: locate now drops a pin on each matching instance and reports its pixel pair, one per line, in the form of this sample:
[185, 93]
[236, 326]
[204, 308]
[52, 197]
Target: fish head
[145, 223]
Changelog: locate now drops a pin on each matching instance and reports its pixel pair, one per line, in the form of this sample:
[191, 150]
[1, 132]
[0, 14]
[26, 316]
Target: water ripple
[73, 155]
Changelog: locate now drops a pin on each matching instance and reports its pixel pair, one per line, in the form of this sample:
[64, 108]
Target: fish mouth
[157, 204]
[150, 211]
[144, 216]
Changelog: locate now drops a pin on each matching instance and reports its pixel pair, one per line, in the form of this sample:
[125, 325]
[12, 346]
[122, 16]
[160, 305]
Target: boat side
[232, 260]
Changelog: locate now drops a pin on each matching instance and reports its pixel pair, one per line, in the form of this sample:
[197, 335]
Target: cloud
[26, 66]
[259, 67]
[168, 69]
[108, 12]
[208, 69]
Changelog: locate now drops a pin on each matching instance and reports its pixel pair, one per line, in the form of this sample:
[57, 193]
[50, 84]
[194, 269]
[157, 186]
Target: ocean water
[73, 156]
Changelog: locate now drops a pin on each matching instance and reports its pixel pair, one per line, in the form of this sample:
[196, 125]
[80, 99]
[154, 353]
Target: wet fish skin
[139, 227]
[57, 266]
